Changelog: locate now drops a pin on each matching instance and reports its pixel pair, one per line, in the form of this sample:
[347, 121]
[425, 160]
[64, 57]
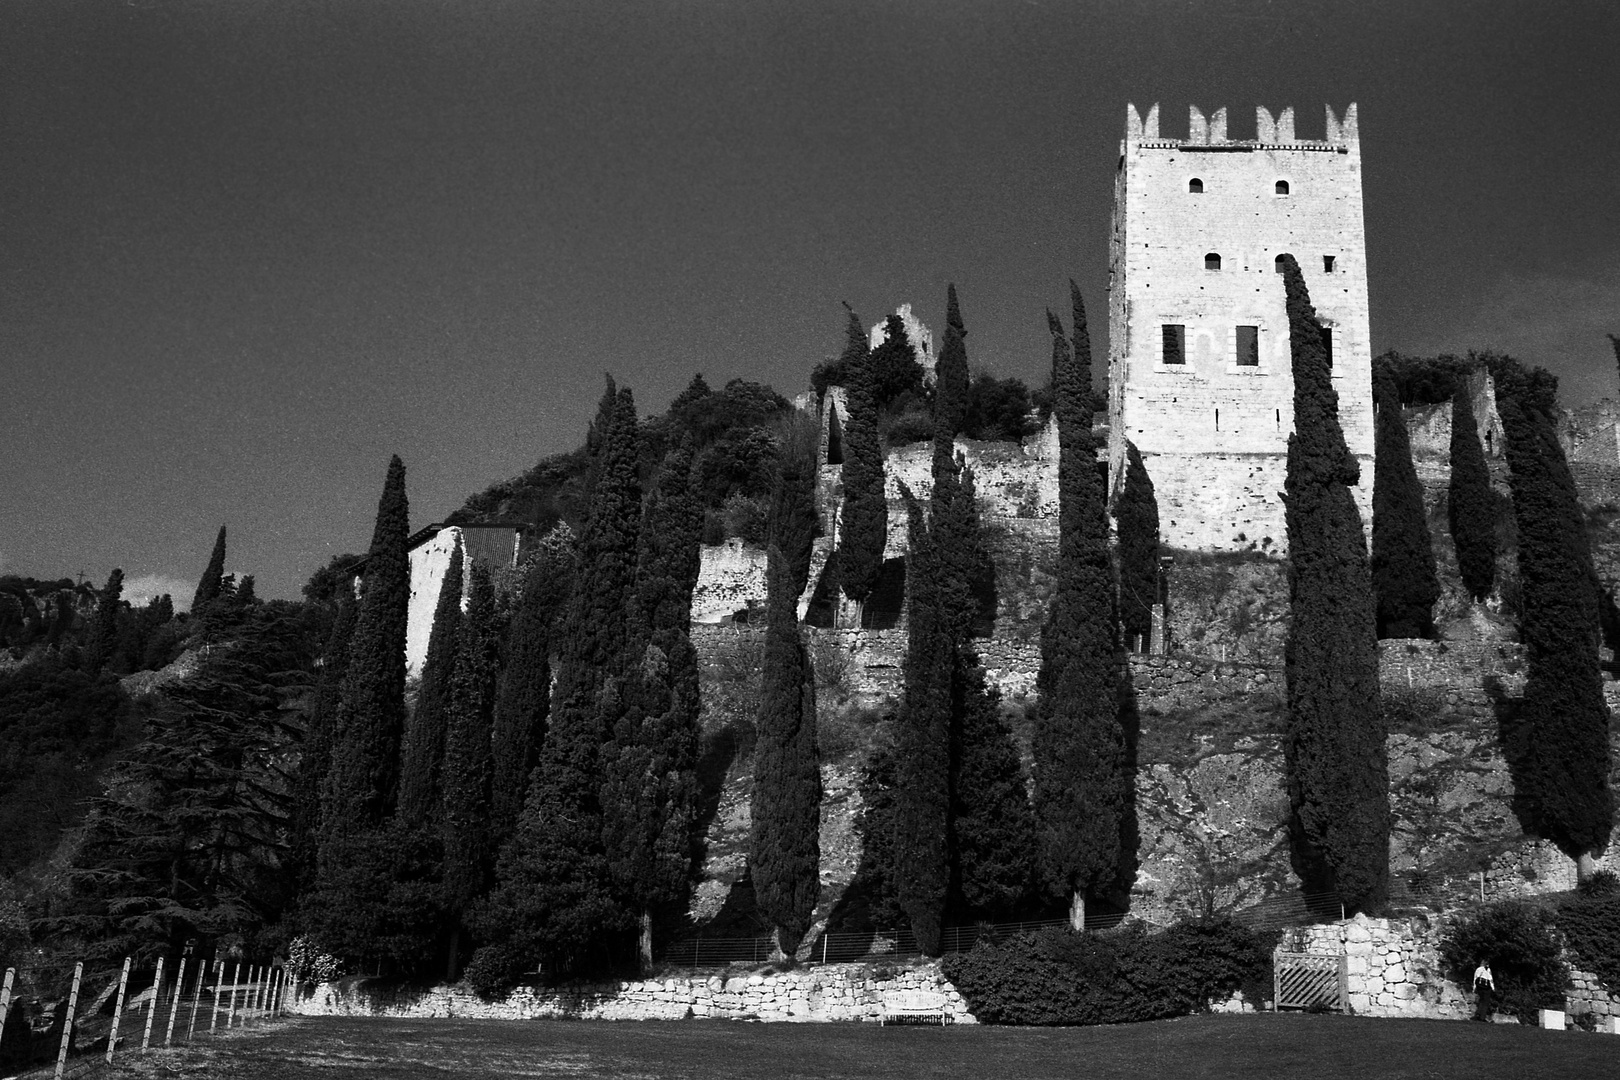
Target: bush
[1601, 883]
[1521, 942]
[1060, 977]
[1591, 929]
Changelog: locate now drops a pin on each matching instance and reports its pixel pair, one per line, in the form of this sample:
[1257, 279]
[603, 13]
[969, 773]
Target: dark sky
[248, 250]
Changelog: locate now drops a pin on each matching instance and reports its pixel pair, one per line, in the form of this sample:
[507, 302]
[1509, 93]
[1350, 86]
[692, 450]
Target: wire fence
[102, 1020]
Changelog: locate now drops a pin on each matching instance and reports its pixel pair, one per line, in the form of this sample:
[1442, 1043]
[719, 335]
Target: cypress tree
[208, 588]
[1082, 349]
[1566, 764]
[315, 756]
[792, 521]
[864, 524]
[104, 631]
[650, 790]
[464, 809]
[951, 376]
[1079, 740]
[523, 696]
[361, 786]
[1470, 505]
[423, 758]
[784, 848]
[1405, 582]
[1137, 514]
[1334, 749]
[554, 898]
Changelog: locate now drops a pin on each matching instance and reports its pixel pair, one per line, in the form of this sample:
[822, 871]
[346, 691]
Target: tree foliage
[1337, 764]
[1405, 582]
[208, 587]
[423, 759]
[951, 376]
[864, 524]
[1137, 514]
[463, 815]
[1470, 504]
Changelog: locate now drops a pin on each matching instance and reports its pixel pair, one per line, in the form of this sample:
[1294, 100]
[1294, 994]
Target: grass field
[1213, 1047]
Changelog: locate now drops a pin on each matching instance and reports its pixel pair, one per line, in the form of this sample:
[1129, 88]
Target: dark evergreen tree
[208, 587]
[1471, 505]
[464, 810]
[420, 789]
[784, 848]
[951, 376]
[1082, 350]
[523, 696]
[554, 898]
[650, 790]
[893, 363]
[1405, 582]
[993, 831]
[103, 641]
[315, 755]
[246, 593]
[361, 786]
[864, 524]
[1337, 764]
[1079, 741]
[1137, 514]
[1564, 776]
[792, 523]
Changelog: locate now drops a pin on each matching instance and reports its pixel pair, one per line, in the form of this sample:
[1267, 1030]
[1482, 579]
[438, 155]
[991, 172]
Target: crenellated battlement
[1271, 132]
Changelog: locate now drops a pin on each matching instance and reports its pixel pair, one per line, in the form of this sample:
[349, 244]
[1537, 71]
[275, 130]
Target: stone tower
[1198, 364]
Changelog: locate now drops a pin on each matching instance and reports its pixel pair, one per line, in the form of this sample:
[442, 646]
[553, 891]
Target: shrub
[1061, 977]
[1601, 883]
[1591, 929]
[1521, 943]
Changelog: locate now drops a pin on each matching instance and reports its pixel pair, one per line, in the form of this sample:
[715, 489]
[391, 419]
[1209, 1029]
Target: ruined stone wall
[731, 578]
[1429, 426]
[1213, 432]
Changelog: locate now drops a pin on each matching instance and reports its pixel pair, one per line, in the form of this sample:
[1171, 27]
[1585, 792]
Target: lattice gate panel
[1310, 980]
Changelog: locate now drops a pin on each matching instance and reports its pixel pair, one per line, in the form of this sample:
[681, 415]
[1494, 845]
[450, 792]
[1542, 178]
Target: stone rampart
[832, 992]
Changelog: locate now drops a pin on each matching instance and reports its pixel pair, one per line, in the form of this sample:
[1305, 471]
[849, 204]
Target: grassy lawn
[1240, 1047]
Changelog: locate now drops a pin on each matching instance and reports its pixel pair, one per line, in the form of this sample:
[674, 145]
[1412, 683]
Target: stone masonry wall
[832, 992]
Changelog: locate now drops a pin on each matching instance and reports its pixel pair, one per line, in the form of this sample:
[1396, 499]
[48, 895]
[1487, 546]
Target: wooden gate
[1311, 980]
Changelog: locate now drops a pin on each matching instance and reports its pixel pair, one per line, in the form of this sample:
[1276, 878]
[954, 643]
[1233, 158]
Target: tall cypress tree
[1563, 711]
[951, 376]
[1334, 750]
[864, 524]
[104, 631]
[554, 898]
[208, 588]
[784, 848]
[792, 522]
[1470, 505]
[464, 808]
[1137, 514]
[315, 756]
[361, 786]
[1082, 349]
[1405, 582]
[523, 696]
[650, 790]
[1079, 740]
[423, 757]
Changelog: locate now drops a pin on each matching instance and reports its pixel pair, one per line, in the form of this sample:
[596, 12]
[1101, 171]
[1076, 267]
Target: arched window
[1212, 261]
[1196, 186]
[1278, 262]
[1282, 187]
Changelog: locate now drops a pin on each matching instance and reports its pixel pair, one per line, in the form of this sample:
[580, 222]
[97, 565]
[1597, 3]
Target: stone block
[1553, 1019]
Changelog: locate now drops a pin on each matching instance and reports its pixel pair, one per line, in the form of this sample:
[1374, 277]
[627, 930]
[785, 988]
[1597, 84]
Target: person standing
[1484, 992]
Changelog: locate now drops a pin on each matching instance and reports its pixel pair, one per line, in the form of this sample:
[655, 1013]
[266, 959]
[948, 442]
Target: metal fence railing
[134, 1012]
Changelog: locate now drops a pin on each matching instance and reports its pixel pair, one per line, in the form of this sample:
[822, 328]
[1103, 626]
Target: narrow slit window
[1327, 344]
[1212, 261]
[1282, 187]
[1327, 263]
[1248, 346]
[1217, 419]
[1195, 186]
[1175, 343]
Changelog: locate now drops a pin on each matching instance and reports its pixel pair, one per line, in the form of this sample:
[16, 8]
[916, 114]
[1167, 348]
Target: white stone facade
[1198, 224]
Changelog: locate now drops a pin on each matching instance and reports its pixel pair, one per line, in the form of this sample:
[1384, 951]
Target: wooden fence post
[152, 1006]
[174, 1002]
[5, 996]
[118, 1010]
[67, 1021]
[219, 980]
[196, 1000]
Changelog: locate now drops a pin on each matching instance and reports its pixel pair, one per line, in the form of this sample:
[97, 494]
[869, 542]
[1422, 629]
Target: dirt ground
[1246, 1047]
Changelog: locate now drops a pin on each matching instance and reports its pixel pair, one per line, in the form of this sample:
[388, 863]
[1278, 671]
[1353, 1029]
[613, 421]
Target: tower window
[1212, 261]
[1327, 344]
[1195, 186]
[1248, 346]
[1282, 187]
[1327, 263]
[1175, 343]
[1278, 262]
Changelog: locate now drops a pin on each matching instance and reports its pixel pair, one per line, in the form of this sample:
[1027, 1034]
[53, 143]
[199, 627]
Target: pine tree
[1137, 514]
[864, 524]
[1563, 711]
[951, 376]
[554, 898]
[361, 786]
[650, 790]
[104, 631]
[1079, 741]
[464, 808]
[784, 847]
[1405, 582]
[523, 697]
[1337, 764]
[423, 758]
[208, 587]
[1471, 506]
